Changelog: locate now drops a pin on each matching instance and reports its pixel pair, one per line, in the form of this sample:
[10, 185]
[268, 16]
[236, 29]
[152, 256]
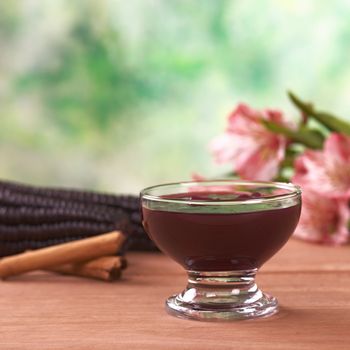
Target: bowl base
[266, 306]
[221, 296]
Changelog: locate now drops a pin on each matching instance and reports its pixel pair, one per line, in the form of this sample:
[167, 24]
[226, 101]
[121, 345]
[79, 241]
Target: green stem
[281, 178]
[287, 162]
[309, 138]
[330, 121]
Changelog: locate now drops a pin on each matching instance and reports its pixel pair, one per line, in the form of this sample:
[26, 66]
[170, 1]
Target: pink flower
[323, 219]
[328, 171]
[198, 177]
[254, 151]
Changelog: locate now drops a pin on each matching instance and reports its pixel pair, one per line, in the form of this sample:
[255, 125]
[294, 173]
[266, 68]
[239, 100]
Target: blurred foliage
[90, 81]
[8, 18]
[117, 95]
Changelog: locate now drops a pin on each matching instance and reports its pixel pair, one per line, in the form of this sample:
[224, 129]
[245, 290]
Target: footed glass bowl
[221, 232]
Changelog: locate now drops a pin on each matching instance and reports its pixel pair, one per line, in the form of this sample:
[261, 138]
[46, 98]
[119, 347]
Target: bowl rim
[295, 191]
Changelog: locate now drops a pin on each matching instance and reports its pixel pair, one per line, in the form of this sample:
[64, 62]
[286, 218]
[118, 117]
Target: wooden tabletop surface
[46, 311]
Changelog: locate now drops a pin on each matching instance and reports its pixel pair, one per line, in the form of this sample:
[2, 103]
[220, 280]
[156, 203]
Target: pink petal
[326, 171]
[338, 146]
[258, 167]
[198, 177]
[254, 151]
[323, 219]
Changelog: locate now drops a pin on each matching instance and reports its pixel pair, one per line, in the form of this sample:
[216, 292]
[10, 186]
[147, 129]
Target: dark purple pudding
[219, 241]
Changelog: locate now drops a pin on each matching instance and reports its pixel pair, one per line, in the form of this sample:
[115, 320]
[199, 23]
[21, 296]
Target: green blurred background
[118, 95]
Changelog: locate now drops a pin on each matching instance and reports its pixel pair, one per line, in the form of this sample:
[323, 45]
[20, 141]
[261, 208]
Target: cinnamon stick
[72, 252]
[106, 268]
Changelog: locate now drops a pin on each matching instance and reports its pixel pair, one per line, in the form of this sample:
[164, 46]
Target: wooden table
[46, 311]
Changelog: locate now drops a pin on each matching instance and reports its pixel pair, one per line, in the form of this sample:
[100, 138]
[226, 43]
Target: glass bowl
[221, 232]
